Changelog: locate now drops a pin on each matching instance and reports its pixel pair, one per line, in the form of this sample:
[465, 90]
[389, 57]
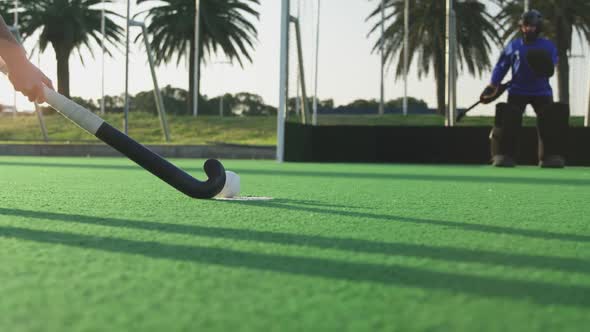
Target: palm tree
[67, 25]
[476, 35]
[562, 19]
[226, 27]
[6, 8]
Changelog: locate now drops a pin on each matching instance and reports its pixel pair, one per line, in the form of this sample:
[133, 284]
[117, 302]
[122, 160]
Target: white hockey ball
[232, 185]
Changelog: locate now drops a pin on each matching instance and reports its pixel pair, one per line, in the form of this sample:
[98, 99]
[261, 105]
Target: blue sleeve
[554, 55]
[501, 68]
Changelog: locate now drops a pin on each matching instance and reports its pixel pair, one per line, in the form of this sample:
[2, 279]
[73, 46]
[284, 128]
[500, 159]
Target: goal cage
[298, 81]
[300, 24]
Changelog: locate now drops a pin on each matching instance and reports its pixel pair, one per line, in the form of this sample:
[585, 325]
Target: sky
[348, 69]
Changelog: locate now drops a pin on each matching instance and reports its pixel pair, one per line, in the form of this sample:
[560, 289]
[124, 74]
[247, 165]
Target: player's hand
[29, 80]
[489, 94]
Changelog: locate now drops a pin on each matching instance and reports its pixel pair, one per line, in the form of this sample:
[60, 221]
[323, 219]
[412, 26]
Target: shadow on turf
[280, 203]
[422, 177]
[352, 175]
[309, 202]
[538, 292]
[452, 254]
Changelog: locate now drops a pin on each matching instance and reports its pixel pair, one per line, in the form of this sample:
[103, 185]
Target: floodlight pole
[282, 110]
[38, 110]
[196, 62]
[587, 117]
[126, 108]
[382, 47]
[314, 119]
[102, 31]
[15, 26]
[453, 109]
[406, 53]
[450, 68]
[298, 81]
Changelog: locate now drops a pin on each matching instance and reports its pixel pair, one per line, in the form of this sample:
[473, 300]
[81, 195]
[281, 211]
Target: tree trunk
[62, 55]
[563, 43]
[563, 76]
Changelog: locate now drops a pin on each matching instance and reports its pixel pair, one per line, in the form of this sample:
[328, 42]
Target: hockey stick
[138, 153]
[501, 91]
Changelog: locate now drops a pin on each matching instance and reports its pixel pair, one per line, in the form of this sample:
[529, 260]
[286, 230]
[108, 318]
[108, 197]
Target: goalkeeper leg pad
[552, 130]
[504, 135]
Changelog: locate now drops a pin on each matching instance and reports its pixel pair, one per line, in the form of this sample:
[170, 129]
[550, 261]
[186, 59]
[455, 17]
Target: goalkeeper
[532, 60]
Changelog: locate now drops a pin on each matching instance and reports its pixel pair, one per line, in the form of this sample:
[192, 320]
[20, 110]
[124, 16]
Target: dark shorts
[520, 102]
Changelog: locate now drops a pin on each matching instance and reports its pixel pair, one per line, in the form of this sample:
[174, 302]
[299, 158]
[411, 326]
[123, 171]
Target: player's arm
[10, 50]
[25, 76]
[500, 70]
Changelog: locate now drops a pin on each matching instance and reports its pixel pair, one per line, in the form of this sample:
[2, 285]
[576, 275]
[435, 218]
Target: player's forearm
[10, 50]
[499, 73]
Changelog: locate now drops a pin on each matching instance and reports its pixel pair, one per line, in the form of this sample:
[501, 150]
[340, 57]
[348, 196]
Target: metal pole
[157, 94]
[305, 109]
[38, 110]
[196, 73]
[15, 31]
[41, 123]
[298, 77]
[406, 54]
[282, 110]
[382, 98]
[527, 5]
[15, 13]
[126, 109]
[448, 9]
[15, 26]
[449, 68]
[453, 98]
[314, 119]
[587, 117]
[102, 31]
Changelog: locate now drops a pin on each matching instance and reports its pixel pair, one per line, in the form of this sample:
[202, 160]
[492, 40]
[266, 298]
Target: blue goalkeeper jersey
[524, 81]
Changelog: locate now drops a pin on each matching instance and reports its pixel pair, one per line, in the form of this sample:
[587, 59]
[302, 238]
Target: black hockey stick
[462, 114]
[500, 92]
[141, 155]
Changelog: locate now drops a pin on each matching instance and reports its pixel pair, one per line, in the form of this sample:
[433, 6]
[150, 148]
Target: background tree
[562, 19]
[6, 11]
[227, 27]
[476, 37]
[249, 104]
[67, 25]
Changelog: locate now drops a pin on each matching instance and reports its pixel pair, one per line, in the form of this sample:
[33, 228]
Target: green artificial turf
[101, 245]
